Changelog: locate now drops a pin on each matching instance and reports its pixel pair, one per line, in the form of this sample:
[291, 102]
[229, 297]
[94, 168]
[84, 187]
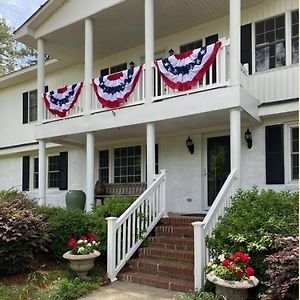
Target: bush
[252, 222]
[23, 235]
[8, 195]
[283, 270]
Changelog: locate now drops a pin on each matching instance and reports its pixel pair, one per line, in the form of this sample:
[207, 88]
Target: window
[127, 164]
[295, 36]
[270, 43]
[294, 146]
[29, 106]
[53, 171]
[113, 69]
[191, 46]
[36, 173]
[104, 165]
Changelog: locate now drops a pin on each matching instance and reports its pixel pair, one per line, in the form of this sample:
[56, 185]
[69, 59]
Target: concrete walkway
[130, 291]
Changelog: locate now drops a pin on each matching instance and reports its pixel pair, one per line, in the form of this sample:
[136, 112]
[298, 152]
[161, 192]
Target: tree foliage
[13, 55]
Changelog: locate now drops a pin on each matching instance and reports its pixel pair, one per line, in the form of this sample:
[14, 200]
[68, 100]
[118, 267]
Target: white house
[253, 84]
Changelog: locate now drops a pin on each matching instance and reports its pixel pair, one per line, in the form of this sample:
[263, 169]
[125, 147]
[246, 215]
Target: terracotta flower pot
[81, 264]
[232, 290]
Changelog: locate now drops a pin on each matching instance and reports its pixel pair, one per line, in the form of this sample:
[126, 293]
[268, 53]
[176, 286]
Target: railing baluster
[124, 229]
[133, 227]
[119, 246]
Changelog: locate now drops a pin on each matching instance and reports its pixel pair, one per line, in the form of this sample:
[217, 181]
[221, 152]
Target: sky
[16, 12]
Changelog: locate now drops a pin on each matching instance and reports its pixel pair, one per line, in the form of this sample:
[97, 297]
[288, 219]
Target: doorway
[218, 165]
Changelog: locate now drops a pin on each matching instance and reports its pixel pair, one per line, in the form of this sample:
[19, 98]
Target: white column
[90, 180]
[40, 78]
[88, 65]
[149, 49]
[150, 153]
[42, 172]
[235, 140]
[235, 41]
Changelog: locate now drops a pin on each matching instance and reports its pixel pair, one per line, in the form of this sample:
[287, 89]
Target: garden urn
[75, 199]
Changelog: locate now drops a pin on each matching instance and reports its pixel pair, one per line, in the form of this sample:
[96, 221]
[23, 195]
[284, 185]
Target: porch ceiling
[111, 36]
[208, 122]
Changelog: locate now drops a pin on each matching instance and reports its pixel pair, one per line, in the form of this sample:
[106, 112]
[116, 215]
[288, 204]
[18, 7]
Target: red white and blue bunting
[59, 102]
[114, 89]
[182, 71]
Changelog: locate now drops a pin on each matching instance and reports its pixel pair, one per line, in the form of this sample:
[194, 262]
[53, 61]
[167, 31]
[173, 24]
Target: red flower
[241, 256]
[72, 243]
[83, 238]
[226, 262]
[239, 272]
[249, 271]
[91, 237]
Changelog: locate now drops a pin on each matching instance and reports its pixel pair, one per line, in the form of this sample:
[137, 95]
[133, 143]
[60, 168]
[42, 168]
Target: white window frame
[33, 172]
[47, 176]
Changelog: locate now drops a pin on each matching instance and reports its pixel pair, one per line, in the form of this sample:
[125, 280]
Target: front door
[218, 165]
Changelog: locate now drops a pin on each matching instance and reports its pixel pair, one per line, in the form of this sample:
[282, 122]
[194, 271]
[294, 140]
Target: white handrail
[126, 234]
[205, 228]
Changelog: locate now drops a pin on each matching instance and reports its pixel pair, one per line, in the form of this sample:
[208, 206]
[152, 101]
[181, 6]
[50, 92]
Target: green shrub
[252, 222]
[23, 235]
[8, 195]
[200, 296]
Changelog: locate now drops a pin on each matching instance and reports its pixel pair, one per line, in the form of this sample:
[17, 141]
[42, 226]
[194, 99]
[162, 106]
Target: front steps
[168, 259]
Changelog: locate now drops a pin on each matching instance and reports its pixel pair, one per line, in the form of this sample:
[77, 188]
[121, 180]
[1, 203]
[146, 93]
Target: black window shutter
[25, 108]
[63, 171]
[274, 154]
[246, 46]
[46, 89]
[25, 173]
[208, 41]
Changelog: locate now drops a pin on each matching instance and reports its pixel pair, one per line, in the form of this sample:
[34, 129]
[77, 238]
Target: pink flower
[72, 243]
[241, 256]
[249, 271]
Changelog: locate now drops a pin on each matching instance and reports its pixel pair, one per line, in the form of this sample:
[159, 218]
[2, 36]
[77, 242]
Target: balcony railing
[217, 76]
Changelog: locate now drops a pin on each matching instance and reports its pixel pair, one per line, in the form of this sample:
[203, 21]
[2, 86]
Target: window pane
[295, 17]
[53, 171]
[33, 105]
[260, 27]
[269, 24]
[260, 39]
[280, 22]
[280, 54]
[262, 59]
[280, 34]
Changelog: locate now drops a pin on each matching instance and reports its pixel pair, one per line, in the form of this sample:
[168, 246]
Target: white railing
[76, 110]
[205, 228]
[244, 76]
[137, 96]
[216, 76]
[126, 234]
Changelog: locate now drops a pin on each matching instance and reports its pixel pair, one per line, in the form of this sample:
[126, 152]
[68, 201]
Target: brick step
[167, 242]
[163, 267]
[179, 231]
[171, 254]
[180, 220]
[158, 281]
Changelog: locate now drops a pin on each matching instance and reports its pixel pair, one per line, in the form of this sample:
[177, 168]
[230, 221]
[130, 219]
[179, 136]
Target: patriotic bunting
[59, 102]
[114, 89]
[182, 71]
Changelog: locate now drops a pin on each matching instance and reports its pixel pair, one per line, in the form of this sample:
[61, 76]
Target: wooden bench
[134, 189]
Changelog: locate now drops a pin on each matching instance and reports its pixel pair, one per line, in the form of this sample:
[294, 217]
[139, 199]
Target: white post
[235, 141]
[164, 193]
[111, 248]
[90, 180]
[199, 255]
[88, 65]
[149, 49]
[42, 172]
[40, 79]
[235, 41]
[150, 153]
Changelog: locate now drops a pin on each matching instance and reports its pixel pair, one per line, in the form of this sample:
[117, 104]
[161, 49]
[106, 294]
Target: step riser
[175, 231]
[166, 242]
[179, 221]
[156, 252]
[172, 247]
[157, 283]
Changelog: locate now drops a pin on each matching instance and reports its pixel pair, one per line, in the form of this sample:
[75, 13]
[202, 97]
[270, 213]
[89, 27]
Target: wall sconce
[248, 138]
[190, 145]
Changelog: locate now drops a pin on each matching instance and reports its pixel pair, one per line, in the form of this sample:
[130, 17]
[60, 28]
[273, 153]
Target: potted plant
[232, 275]
[82, 254]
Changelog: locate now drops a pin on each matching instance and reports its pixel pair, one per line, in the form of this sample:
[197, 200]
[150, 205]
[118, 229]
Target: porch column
[90, 176]
[40, 78]
[88, 65]
[150, 153]
[149, 49]
[235, 140]
[235, 41]
[42, 172]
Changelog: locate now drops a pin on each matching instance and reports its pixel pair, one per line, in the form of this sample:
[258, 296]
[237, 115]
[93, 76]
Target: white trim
[288, 37]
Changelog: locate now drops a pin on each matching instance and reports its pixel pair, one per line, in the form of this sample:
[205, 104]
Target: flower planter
[81, 264]
[232, 290]
[75, 199]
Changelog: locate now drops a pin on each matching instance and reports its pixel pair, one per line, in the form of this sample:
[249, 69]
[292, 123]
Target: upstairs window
[295, 36]
[270, 43]
[190, 46]
[29, 106]
[113, 69]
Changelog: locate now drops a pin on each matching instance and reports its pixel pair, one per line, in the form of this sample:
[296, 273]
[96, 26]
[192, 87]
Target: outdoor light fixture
[190, 145]
[248, 138]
